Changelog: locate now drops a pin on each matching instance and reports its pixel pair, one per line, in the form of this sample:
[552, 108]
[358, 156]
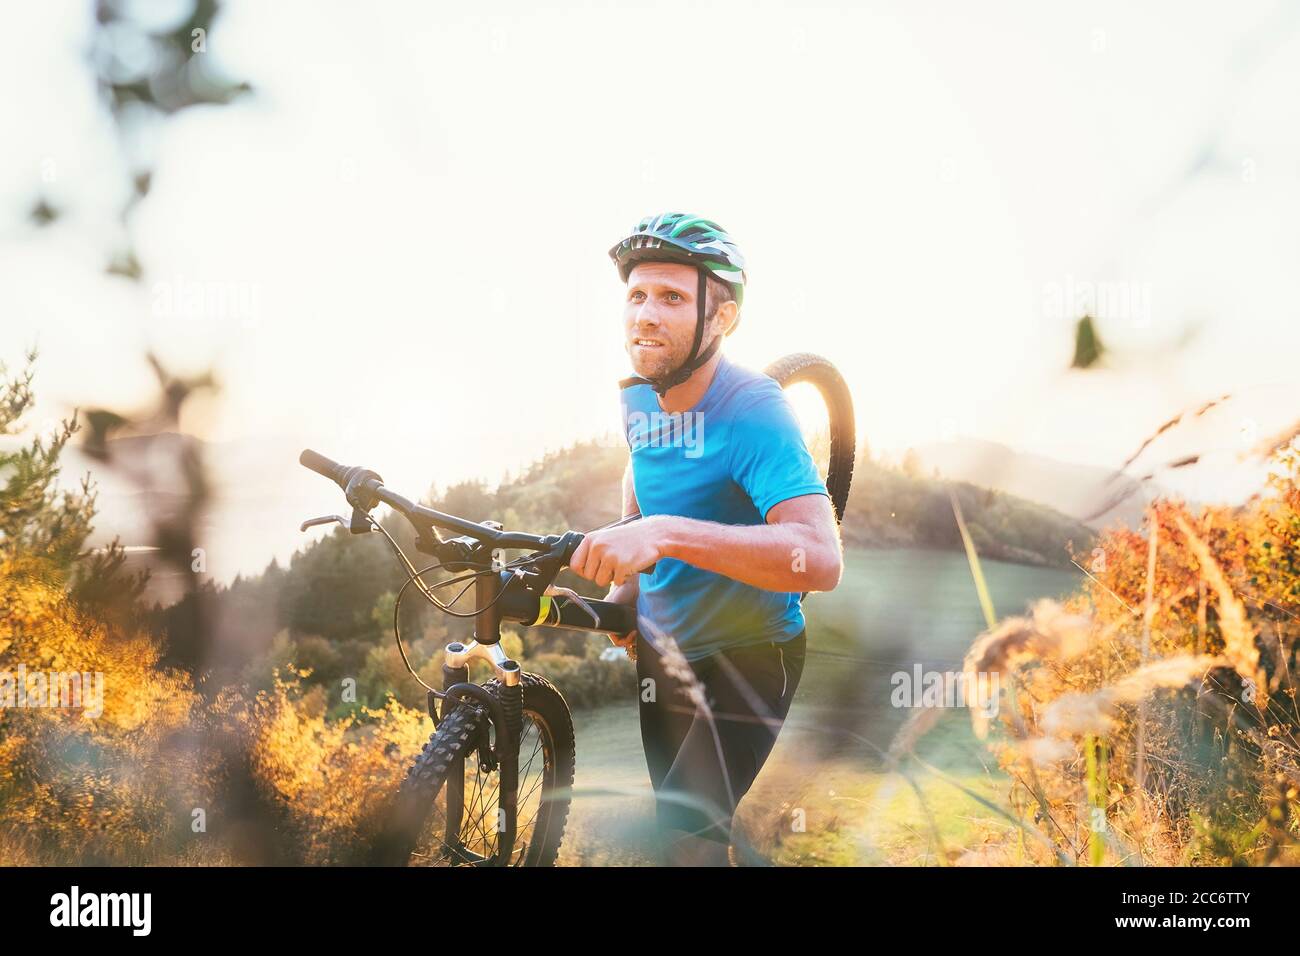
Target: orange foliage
[1190, 695]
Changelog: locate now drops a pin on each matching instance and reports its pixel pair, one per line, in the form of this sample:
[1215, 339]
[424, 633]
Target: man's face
[659, 316]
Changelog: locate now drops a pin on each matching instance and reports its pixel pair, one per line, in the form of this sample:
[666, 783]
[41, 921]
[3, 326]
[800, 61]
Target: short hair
[716, 292]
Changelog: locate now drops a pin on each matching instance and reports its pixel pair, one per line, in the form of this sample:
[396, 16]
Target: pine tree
[37, 519]
[45, 527]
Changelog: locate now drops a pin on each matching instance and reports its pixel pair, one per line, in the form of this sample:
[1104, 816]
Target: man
[736, 523]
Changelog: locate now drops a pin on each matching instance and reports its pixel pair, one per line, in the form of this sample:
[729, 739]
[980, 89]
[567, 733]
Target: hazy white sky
[395, 251]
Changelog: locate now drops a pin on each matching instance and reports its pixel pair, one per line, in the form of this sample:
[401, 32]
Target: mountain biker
[735, 519]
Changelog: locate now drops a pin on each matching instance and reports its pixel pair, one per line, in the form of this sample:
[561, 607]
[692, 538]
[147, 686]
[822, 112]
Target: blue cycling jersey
[729, 459]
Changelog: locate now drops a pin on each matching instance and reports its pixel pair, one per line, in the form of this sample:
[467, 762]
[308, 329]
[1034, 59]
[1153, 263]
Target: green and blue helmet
[681, 237]
[693, 241]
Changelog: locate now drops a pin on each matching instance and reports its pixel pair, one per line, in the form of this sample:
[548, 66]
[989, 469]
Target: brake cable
[416, 577]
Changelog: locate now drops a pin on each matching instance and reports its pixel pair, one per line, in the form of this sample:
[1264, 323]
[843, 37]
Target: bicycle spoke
[533, 756]
[482, 805]
[532, 790]
[485, 804]
[537, 810]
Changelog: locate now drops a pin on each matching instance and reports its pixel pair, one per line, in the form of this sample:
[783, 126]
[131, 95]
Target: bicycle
[488, 738]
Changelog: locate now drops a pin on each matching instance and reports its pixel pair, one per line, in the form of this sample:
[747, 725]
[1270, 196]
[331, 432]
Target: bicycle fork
[504, 712]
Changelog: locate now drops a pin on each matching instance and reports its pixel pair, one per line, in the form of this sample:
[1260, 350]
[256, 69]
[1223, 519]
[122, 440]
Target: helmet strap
[701, 303]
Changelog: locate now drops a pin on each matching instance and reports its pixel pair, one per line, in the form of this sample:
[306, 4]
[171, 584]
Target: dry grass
[1152, 718]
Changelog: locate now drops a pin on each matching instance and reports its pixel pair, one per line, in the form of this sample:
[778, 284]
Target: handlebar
[523, 598]
[544, 611]
[323, 466]
[364, 489]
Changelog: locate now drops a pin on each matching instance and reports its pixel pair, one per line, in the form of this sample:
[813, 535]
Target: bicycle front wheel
[448, 810]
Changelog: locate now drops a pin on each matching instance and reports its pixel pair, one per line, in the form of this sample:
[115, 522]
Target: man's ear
[727, 317]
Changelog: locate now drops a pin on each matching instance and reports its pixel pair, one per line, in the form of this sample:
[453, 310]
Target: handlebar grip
[322, 466]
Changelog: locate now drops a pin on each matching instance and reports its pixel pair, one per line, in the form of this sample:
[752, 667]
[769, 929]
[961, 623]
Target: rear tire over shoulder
[807, 367]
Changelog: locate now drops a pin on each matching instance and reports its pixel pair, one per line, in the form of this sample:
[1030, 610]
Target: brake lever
[546, 568]
[323, 519]
[556, 591]
[360, 523]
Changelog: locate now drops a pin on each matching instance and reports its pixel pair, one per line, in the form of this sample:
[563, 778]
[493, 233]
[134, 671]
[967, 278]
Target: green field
[893, 609]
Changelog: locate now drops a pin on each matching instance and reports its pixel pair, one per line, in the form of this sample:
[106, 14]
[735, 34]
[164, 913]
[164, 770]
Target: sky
[395, 250]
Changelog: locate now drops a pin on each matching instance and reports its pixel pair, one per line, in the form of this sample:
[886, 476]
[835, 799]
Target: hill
[1096, 496]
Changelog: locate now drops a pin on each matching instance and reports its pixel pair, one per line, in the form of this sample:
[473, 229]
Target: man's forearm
[775, 557]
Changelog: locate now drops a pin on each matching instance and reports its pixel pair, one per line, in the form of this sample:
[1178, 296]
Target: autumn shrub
[113, 782]
[331, 779]
[1152, 717]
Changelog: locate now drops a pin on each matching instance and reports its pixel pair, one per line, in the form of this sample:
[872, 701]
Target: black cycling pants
[708, 731]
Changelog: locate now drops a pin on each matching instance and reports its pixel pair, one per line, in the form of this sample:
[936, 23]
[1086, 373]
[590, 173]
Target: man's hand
[613, 555]
[625, 594]
[627, 642]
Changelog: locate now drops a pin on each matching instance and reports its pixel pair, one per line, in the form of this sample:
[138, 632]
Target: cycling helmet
[693, 241]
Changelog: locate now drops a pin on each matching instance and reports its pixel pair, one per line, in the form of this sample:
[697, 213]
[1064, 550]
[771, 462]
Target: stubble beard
[659, 362]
